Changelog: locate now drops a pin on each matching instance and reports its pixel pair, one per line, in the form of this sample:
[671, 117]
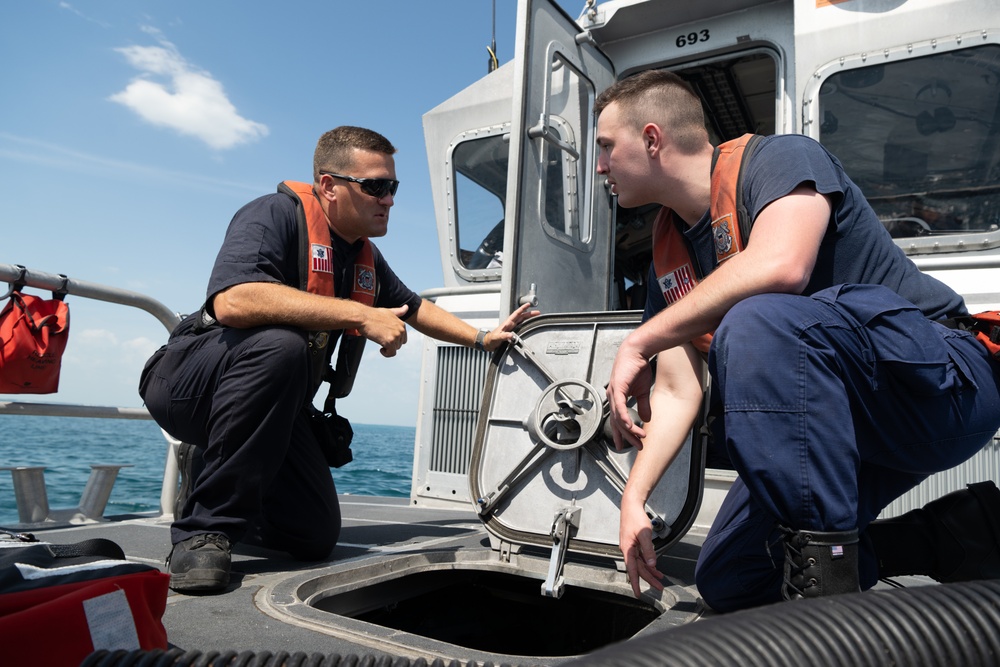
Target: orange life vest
[672, 261]
[316, 276]
[317, 257]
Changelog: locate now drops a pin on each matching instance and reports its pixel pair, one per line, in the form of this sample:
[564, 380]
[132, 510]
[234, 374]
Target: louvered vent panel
[461, 373]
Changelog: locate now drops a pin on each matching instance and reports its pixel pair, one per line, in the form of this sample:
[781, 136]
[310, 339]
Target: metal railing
[29, 483]
[12, 273]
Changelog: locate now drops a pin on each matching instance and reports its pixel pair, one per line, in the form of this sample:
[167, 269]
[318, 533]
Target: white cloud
[71, 8]
[98, 337]
[172, 93]
[33, 151]
[140, 349]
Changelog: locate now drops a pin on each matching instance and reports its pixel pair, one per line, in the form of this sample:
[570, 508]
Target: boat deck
[262, 609]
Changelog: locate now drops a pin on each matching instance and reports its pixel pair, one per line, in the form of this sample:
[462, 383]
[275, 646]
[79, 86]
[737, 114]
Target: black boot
[190, 463]
[200, 563]
[953, 538]
[820, 563]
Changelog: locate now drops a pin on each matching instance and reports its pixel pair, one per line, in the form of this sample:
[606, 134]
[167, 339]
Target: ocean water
[68, 446]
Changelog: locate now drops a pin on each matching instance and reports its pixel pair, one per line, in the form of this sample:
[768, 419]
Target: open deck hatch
[548, 485]
[495, 612]
[544, 472]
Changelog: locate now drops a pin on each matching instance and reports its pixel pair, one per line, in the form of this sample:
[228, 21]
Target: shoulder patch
[364, 279]
[321, 262]
[677, 283]
[723, 230]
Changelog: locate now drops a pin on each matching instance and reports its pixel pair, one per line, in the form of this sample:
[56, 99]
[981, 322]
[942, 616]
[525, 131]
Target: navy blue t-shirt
[261, 245]
[856, 249]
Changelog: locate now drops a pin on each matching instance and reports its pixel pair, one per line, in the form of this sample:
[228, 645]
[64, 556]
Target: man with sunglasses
[236, 380]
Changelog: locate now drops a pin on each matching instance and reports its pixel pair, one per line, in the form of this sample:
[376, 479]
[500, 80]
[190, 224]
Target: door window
[569, 105]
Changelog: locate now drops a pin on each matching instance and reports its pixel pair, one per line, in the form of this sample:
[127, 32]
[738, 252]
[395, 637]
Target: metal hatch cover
[543, 471]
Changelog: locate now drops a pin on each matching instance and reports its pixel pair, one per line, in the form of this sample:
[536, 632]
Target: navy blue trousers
[239, 394]
[833, 406]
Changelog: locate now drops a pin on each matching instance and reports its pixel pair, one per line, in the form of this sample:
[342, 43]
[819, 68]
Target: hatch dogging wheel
[568, 415]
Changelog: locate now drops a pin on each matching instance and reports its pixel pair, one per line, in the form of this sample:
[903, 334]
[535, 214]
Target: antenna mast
[492, 48]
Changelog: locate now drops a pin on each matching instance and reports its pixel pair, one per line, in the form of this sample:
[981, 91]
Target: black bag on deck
[61, 602]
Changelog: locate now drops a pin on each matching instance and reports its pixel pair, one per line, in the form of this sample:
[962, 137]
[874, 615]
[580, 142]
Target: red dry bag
[33, 335]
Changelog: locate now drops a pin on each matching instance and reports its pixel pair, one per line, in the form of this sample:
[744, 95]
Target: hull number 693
[692, 38]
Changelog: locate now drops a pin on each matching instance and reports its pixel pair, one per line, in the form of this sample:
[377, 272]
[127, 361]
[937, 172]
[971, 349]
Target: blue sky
[132, 130]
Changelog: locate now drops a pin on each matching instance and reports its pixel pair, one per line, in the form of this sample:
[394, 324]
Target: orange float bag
[33, 336]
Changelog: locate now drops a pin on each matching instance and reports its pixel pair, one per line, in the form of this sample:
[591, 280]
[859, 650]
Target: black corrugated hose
[927, 626]
[179, 658]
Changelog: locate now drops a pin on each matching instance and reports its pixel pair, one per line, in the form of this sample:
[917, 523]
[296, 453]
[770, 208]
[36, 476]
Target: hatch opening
[495, 612]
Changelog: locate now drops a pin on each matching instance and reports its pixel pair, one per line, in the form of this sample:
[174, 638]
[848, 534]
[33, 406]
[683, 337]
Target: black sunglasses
[376, 187]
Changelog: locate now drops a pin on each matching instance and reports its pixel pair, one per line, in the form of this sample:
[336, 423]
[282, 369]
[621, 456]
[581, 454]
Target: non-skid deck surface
[372, 527]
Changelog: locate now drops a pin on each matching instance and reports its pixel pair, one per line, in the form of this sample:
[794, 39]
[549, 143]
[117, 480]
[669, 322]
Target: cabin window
[480, 178]
[921, 137]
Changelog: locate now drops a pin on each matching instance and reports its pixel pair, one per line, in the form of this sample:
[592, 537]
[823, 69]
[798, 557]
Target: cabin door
[558, 249]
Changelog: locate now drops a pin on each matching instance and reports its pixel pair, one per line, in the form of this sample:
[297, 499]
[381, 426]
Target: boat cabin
[905, 92]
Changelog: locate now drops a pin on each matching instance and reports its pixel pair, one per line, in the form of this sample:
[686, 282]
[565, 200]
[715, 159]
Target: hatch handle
[565, 523]
[531, 296]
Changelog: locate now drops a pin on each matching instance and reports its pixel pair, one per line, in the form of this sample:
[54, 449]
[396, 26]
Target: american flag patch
[677, 283]
[321, 258]
[837, 551]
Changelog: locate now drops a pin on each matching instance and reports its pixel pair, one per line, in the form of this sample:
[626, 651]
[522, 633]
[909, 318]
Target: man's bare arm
[676, 399]
[779, 258]
[259, 304]
[436, 322]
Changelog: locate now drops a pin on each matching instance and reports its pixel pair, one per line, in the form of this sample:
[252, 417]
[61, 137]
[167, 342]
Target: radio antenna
[492, 48]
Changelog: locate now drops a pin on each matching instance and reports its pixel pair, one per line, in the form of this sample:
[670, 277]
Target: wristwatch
[481, 340]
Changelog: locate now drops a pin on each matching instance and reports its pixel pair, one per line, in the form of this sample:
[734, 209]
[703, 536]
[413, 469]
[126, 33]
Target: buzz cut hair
[335, 149]
[661, 97]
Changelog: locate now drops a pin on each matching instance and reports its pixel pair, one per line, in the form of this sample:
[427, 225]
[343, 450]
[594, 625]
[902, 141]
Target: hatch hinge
[504, 551]
[565, 523]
